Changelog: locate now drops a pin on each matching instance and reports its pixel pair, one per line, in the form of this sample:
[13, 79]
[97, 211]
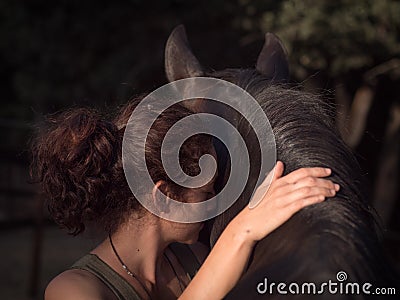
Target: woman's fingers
[315, 181]
[278, 198]
[303, 182]
[278, 171]
[299, 174]
[305, 192]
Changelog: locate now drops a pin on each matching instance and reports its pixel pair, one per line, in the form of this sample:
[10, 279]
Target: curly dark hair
[77, 159]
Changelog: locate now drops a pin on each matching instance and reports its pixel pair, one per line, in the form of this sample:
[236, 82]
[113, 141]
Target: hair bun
[73, 160]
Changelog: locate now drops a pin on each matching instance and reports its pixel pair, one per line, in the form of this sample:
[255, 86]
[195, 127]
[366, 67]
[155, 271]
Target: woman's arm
[228, 258]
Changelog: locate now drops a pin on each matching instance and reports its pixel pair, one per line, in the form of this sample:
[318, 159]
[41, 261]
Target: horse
[337, 236]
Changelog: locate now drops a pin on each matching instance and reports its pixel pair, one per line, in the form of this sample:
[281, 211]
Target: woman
[78, 163]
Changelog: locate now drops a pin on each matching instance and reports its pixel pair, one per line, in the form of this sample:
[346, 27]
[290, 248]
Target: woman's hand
[229, 256]
[284, 197]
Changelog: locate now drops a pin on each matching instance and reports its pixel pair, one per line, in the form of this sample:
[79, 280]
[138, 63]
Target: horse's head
[180, 63]
[305, 136]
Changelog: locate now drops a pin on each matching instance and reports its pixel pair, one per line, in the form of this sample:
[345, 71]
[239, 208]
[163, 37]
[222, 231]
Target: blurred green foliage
[333, 36]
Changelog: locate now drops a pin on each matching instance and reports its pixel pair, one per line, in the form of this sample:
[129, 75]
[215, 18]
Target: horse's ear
[179, 60]
[272, 60]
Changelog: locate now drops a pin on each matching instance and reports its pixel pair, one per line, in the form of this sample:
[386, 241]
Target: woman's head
[77, 159]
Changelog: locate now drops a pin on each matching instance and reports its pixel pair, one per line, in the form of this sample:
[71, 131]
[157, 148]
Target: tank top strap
[186, 258]
[115, 282]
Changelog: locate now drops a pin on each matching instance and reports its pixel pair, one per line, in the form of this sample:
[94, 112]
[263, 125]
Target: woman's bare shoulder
[200, 251]
[78, 285]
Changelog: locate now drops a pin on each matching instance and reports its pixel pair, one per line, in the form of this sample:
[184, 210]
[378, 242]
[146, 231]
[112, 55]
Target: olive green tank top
[118, 285]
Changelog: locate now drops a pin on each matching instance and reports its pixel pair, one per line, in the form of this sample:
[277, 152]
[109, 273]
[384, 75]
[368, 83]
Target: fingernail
[333, 192]
[328, 171]
[337, 187]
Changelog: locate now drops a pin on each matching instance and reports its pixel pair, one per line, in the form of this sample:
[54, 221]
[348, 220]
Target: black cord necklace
[130, 273]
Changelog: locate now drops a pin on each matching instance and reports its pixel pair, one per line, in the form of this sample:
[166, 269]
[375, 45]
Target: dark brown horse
[338, 235]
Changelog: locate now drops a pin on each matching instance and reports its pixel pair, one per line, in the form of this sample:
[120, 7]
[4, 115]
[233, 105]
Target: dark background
[59, 54]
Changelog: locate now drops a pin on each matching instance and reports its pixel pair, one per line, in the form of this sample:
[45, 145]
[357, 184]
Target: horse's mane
[339, 232]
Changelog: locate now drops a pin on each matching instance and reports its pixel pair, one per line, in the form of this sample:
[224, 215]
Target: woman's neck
[140, 245]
